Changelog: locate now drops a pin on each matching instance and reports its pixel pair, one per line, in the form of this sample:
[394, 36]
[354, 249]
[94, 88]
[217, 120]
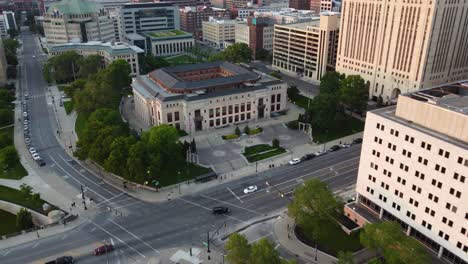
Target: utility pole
[83, 197]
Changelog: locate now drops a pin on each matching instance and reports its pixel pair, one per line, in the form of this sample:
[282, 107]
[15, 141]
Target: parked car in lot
[334, 148]
[32, 150]
[357, 141]
[36, 156]
[250, 189]
[41, 162]
[25, 114]
[27, 140]
[294, 161]
[26, 127]
[345, 145]
[62, 260]
[220, 210]
[308, 157]
[103, 249]
[26, 122]
[320, 153]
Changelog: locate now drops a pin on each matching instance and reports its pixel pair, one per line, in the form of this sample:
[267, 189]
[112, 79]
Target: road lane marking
[107, 200]
[53, 160]
[204, 207]
[240, 207]
[60, 156]
[127, 205]
[115, 202]
[6, 253]
[144, 242]
[123, 242]
[237, 197]
[35, 245]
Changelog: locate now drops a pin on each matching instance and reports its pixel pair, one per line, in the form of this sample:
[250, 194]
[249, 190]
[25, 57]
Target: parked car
[103, 249]
[334, 148]
[41, 162]
[32, 150]
[25, 114]
[220, 210]
[308, 157]
[27, 140]
[62, 260]
[320, 153]
[250, 189]
[25, 122]
[36, 156]
[357, 141]
[345, 145]
[26, 127]
[294, 161]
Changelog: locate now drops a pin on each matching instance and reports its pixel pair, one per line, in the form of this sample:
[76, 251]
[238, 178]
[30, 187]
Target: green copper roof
[75, 7]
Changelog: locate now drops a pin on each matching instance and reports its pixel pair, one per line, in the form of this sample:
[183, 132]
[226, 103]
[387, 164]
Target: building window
[176, 116]
[169, 117]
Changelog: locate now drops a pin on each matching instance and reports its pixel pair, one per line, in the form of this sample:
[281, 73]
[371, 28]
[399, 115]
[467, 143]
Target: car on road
[25, 122]
[294, 161]
[334, 148]
[250, 189]
[220, 210]
[34, 56]
[41, 162]
[32, 150]
[345, 145]
[62, 260]
[320, 153]
[36, 156]
[308, 157]
[103, 249]
[25, 114]
[357, 141]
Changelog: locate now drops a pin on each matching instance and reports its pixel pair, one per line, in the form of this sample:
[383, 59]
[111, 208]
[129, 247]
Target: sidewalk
[283, 231]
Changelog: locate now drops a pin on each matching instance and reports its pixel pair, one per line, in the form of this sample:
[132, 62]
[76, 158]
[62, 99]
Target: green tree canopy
[137, 162]
[24, 220]
[345, 257]
[8, 157]
[323, 111]
[331, 83]
[236, 53]
[262, 252]
[238, 249]
[64, 67]
[163, 147]
[90, 65]
[6, 117]
[354, 92]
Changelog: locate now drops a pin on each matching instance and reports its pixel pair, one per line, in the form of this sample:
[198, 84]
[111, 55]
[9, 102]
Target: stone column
[381, 213]
[408, 230]
[441, 250]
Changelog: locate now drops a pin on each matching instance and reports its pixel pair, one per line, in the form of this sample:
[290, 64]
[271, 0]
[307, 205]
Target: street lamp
[178, 180]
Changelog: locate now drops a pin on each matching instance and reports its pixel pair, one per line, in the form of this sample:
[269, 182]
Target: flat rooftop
[113, 48]
[167, 34]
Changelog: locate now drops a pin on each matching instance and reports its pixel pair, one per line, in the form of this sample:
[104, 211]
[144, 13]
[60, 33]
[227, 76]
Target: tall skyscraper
[414, 169]
[403, 46]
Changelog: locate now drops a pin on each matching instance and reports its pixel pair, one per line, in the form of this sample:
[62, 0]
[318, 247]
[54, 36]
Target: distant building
[10, 20]
[77, 21]
[217, 32]
[3, 28]
[307, 49]
[234, 4]
[148, 17]
[184, 3]
[300, 4]
[403, 46]
[413, 169]
[110, 51]
[167, 43]
[112, 6]
[321, 6]
[279, 15]
[191, 18]
[257, 32]
[205, 96]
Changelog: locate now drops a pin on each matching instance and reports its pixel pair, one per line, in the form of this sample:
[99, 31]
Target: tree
[262, 252]
[354, 92]
[247, 130]
[388, 239]
[292, 92]
[323, 111]
[237, 131]
[10, 46]
[26, 190]
[77, 85]
[345, 257]
[275, 143]
[90, 65]
[236, 53]
[5, 140]
[6, 97]
[24, 219]
[163, 147]
[313, 202]
[117, 158]
[117, 74]
[263, 54]
[331, 82]
[137, 163]
[276, 75]
[12, 32]
[238, 249]
[193, 146]
[6, 117]
[64, 67]
[8, 157]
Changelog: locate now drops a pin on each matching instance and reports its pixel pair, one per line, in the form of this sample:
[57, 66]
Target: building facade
[414, 168]
[217, 32]
[307, 49]
[148, 17]
[206, 96]
[3, 28]
[403, 46]
[77, 21]
[191, 18]
[109, 51]
[184, 3]
[168, 43]
[300, 4]
[9, 20]
[257, 32]
[234, 4]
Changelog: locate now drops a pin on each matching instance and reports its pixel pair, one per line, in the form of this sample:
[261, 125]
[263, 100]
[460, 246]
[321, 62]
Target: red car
[103, 249]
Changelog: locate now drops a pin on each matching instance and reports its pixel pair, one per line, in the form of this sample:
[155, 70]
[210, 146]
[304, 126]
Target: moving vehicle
[62, 260]
[334, 148]
[250, 189]
[103, 249]
[308, 157]
[220, 210]
[357, 141]
[294, 161]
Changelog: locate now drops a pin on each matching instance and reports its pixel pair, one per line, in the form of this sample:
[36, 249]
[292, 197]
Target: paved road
[145, 228]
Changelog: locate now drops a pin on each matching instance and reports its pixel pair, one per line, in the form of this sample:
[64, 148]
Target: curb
[249, 225]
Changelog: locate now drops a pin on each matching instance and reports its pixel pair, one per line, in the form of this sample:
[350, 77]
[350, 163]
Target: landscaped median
[247, 131]
[262, 151]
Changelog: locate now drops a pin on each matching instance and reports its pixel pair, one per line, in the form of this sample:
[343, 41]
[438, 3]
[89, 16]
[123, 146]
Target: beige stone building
[403, 46]
[414, 169]
[77, 21]
[206, 96]
[219, 31]
[307, 49]
[110, 51]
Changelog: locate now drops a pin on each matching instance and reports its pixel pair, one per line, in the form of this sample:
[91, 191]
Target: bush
[256, 131]
[275, 143]
[24, 220]
[237, 131]
[247, 130]
[293, 124]
[230, 136]
[8, 157]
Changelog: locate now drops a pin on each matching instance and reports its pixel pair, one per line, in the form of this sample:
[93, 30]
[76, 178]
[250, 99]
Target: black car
[219, 210]
[41, 162]
[357, 141]
[334, 148]
[62, 260]
[308, 157]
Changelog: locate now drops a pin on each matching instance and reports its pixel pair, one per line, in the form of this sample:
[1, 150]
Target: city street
[141, 230]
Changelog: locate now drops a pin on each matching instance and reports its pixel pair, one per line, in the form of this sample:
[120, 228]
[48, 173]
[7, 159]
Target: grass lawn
[80, 123]
[15, 196]
[230, 136]
[347, 126]
[18, 171]
[182, 59]
[301, 101]
[170, 177]
[68, 105]
[255, 131]
[332, 239]
[261, 151]
[8, 221]
[170, 33]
